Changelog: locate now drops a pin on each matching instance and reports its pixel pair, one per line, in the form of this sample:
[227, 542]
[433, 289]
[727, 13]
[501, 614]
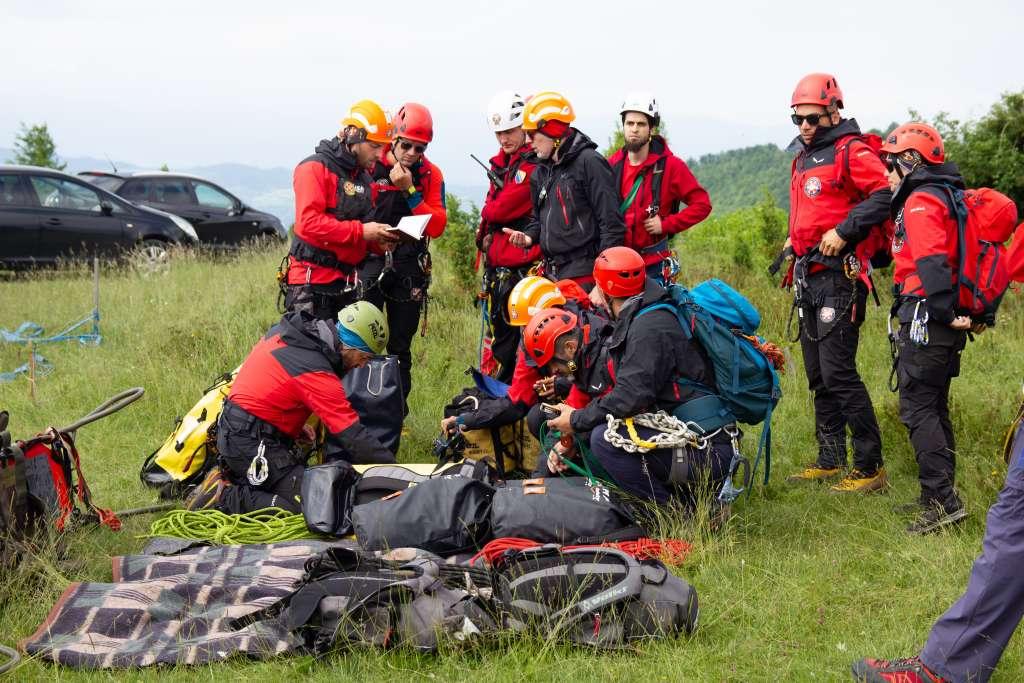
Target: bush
[458, 241]
[747, 238]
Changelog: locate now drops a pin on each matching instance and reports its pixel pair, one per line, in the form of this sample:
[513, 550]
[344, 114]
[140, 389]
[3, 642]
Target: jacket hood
[947, 173]
[300, 330]
[653, 293]
[338, 152]
[826, 137]
[573, 146]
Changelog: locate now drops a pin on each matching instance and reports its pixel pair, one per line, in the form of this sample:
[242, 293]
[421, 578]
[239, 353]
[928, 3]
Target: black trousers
[504, 337]
[832, 310]
[400, 294]
[283, 484]
[925, 374]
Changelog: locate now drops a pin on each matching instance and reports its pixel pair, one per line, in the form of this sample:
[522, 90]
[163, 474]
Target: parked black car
[220, 218]
[46, 215]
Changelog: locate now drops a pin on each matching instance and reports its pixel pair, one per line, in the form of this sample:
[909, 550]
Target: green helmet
[363, 326]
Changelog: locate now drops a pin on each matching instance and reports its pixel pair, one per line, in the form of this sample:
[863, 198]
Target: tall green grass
[799, 584]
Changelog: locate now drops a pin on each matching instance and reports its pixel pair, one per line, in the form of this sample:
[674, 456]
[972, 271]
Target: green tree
[459, 241]
[164, 167]
[990, 151]
[33, 146]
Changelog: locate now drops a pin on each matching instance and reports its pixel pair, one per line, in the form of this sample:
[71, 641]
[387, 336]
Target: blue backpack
[721, 319]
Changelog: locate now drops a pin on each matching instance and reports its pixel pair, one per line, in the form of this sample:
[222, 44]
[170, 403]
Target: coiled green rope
[271, 525]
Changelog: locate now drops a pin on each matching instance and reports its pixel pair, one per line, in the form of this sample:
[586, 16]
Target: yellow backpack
[191, 449]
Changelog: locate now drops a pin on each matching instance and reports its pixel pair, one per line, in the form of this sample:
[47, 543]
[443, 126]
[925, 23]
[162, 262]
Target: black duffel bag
[328, 494]
[565, 510]
[445, 515]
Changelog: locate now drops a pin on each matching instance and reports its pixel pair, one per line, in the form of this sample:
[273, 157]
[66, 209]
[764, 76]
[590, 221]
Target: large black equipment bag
[375, 392]
[328, 492]
[566, 510]
[445, 515]
[596, 596]
[349, 598]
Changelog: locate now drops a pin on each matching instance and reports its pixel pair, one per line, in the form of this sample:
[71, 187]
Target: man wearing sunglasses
[407, 184]
[658, 194]
[575, 204]
[838, 196]
[333, 215]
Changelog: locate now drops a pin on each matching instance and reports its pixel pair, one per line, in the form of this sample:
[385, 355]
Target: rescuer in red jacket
[658, 193]
[293, 372]
[508, 205]
[407, 184]
[838, 197]
[333, 215]
[933, 331]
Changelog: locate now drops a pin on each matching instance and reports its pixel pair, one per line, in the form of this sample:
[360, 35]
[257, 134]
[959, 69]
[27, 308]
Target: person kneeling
[655, 367]
[293, 372]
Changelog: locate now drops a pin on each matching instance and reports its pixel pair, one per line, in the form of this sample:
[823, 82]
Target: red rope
[672, 551]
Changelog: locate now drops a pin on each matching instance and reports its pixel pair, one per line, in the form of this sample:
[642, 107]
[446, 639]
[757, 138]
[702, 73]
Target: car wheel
[152, 257]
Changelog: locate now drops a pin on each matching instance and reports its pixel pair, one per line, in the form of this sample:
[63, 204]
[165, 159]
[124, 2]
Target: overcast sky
[255, 82]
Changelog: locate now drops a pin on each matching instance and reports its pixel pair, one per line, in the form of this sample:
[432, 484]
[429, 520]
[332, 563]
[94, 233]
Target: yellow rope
[635, 438]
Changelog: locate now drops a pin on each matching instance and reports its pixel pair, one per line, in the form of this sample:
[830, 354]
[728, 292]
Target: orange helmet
[620, 272]
[543, 330]
[413, 122]
[818, 89]
[367, 116]
[546, 107]
[919, 137]
[531, 294]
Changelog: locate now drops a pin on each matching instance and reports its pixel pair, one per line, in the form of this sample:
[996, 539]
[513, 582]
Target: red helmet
[818, 89]
[919, 137]
[413, 122]
[620, 272]
[543, 330]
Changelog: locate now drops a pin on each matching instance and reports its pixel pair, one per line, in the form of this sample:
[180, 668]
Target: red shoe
[909, 670]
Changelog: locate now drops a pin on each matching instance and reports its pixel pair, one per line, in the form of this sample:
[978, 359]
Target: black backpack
[562, 510]
[596, 596]
[350, 598]
[446, 515]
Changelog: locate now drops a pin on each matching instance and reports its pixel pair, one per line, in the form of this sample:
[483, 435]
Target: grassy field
[798, 585]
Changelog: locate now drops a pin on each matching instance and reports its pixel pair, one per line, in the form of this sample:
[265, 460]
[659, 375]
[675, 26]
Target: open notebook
[413, 226]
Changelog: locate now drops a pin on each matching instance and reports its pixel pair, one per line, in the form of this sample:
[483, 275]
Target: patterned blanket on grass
[174, 609]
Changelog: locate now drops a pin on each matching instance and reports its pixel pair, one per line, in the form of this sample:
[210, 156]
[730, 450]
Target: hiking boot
[815, 472]
[914, 507]
[858, 481]
[208, 492]
[909, 670]
[937, 516]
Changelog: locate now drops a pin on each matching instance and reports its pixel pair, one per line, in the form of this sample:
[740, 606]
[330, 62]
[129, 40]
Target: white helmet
[642, 102]
[505, 111]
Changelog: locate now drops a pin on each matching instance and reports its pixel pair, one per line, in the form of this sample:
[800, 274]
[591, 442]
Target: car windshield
[108, 183]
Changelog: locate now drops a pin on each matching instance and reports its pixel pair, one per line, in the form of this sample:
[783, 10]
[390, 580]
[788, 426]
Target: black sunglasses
[406, 145]
[812, 119]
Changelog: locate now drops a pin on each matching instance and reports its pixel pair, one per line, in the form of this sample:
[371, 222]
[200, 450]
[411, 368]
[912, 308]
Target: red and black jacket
[333, 197]
[575, 209]
[839, 182]
[678, 187]
[295, 371]
[392, 204]
[509, 206]
[924, 246]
